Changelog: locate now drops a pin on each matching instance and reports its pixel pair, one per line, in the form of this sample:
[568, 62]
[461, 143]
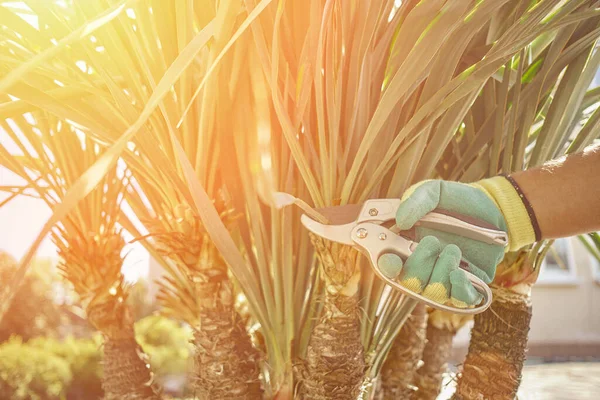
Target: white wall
[570, 312]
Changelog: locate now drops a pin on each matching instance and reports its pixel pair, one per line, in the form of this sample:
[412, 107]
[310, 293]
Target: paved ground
[558, 381]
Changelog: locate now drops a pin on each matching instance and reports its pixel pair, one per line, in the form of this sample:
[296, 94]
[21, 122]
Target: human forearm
[565, 193]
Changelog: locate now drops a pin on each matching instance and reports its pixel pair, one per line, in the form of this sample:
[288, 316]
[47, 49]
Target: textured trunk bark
[127, 374]
[397, 374]
[226, 362]
[438, 348]
[496, 355]
[335, 365]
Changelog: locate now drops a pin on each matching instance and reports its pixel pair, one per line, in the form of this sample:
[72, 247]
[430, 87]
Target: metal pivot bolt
[373, 212]
[362, 233]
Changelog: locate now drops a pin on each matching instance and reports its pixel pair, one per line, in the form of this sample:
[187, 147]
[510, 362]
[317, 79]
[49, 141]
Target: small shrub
[84, 357]
[48, 369]
[32, 312]
[32, 373]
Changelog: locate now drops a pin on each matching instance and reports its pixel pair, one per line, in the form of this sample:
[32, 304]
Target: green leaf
[13, 76]
[91, 177]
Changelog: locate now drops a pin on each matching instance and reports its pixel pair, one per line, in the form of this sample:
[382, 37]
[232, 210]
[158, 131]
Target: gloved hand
[433, 268]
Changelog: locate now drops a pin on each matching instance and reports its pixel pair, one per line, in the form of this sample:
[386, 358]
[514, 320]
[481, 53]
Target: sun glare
[23, 11]
[81, 65]
[130, 13]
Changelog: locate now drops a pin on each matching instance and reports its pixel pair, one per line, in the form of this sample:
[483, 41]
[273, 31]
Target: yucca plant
[553, 117]
[381, 105]
[509, 324]
[318, 122]
[333, 102]
[89, 240]
[276, 248]
[149, 41]
[140, 51]
[197, 288]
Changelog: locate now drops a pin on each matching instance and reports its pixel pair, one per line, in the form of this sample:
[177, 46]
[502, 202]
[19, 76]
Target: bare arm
[565, 193]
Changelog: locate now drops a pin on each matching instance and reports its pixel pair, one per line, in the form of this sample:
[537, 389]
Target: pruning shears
[370, 228]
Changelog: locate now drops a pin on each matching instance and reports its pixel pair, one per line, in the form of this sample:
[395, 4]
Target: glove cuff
[517, 212]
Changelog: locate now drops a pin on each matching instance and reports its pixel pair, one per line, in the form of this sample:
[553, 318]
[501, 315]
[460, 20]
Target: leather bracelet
[528, 207]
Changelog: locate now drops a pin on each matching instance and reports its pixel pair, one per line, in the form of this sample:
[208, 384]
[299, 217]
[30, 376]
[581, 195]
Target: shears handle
[383, 210]
[374, 240]
[465, 226]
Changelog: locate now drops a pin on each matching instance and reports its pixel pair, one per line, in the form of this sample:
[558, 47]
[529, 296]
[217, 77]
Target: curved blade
[335, 233]
[339, 215]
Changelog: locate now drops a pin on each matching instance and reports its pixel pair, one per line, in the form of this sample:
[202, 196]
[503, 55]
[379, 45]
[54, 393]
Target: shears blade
[340, 215]
[335, 233]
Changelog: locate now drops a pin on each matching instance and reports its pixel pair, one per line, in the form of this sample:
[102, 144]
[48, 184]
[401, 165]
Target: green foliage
[31, 373]
[591, 241]
[32, 313]
[166, 342]
[48, 368]
[83, 356]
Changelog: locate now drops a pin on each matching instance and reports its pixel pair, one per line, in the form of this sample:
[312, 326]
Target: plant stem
[401, 363]
[226, 361]
[496, 355]
[127, 373]
[335, 365]
[428, 377]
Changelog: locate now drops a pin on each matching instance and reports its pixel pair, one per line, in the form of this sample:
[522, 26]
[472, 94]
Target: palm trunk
[226, 362]
[397, 374]
[335, 365]
[441, 328]
[496, 355]
[127, 374]
[93, 266]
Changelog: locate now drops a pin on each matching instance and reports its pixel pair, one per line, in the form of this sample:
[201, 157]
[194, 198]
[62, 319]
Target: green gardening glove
[433, 268]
